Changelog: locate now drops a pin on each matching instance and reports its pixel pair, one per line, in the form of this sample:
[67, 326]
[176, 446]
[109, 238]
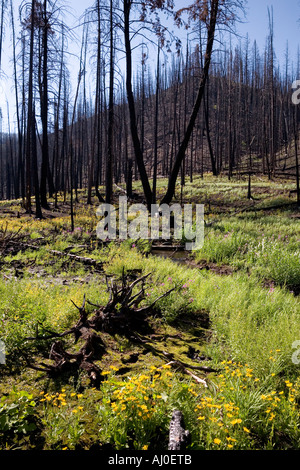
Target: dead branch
[80, 259]
[180, 366]
[6, 238]
[148, 307]
[183, 364]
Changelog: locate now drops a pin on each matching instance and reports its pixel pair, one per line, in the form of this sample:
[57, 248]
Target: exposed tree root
[7, 238]
[121, 315]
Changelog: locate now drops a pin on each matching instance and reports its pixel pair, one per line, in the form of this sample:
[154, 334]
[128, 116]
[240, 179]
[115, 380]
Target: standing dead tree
[2, 11]
[212, 14]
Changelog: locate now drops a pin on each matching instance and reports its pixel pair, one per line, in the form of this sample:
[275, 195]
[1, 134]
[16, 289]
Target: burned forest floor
[102, 341]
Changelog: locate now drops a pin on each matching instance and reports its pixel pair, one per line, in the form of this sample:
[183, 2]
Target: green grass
[251, 401]
[265, 245]
[249, 317]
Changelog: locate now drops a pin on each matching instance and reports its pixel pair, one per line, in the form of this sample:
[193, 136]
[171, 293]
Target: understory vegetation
[218, 342]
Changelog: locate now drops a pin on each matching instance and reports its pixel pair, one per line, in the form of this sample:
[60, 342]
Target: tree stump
[178, 436]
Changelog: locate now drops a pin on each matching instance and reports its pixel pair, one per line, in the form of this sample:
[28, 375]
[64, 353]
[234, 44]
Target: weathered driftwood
[178, 435]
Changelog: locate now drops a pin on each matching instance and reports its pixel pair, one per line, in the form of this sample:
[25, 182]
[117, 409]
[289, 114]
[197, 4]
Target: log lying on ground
[178, 436]
[81, 259]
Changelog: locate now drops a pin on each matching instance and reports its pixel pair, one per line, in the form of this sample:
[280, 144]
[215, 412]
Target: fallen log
[80, 259]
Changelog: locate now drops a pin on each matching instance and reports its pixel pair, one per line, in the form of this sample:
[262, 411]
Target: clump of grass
[283, 267]
[223, 247]
[64, 417]
[133, 411]
[31, 305]
[267, 246]
[246, 414]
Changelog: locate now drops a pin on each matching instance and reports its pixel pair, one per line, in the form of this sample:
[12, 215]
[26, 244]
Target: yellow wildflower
[236, 421]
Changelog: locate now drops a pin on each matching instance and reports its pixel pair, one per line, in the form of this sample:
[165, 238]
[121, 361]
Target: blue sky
[286, 14]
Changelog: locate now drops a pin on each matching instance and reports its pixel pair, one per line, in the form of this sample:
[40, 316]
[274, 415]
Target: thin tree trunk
[30, 114]
[44, 113]
[211, 152]
[110, 157]
[20, 166]
[182, 150]
[132, 113]
[296, 155]
[38, 209]
[3, 5]
[156, 129]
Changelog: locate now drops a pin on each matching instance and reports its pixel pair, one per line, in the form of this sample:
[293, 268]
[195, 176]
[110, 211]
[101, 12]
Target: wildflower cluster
[243, 414]
[59, 399]
[63, 418]
[222, 422]
[138, 407]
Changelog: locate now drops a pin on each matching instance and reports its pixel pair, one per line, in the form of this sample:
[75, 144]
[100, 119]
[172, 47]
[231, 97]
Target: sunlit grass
[254, 321]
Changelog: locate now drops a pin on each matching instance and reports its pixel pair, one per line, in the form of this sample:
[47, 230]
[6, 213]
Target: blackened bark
[38, 209]
[109, 161]
[132, 113]
[183, 147]
[30, 114]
